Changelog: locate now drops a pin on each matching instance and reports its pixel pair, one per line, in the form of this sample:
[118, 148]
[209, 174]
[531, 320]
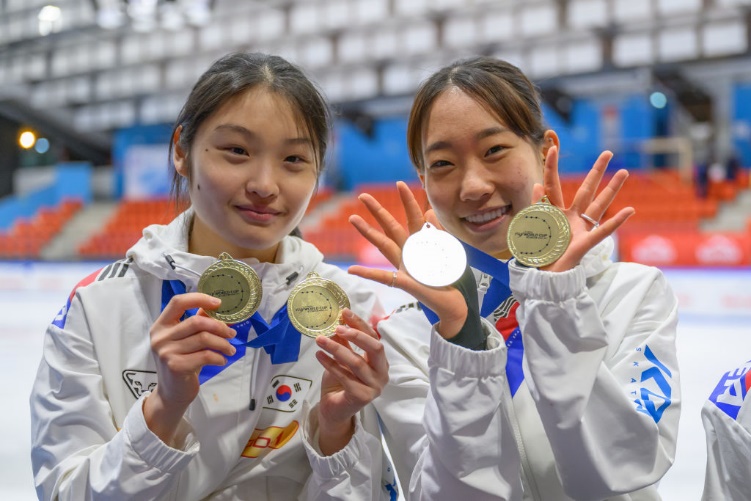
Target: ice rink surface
[714, 336]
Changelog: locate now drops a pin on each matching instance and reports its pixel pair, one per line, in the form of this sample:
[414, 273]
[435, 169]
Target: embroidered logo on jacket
[287, 393]
[139, 382]
[654, 380]
[732, 389]
[264, 440]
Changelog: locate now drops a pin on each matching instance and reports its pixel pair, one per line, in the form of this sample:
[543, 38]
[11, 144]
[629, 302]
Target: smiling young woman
[552, 383]
[143, 393]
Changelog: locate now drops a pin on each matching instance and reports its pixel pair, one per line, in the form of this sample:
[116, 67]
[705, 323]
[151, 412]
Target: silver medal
[434, 257]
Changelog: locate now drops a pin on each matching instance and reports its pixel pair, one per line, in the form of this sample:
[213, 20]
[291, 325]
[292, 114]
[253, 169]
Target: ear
[550, 138]
[421, 175]
[179, 156]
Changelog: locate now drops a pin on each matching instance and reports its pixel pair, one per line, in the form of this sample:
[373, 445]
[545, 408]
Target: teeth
[487, 216]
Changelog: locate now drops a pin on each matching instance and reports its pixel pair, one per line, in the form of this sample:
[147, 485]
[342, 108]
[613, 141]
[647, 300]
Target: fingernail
[233, 350]
[341, 329]
[347, 314]
[215, 300]
[233, 332]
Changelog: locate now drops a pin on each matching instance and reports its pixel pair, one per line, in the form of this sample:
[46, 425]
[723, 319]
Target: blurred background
[89, 90]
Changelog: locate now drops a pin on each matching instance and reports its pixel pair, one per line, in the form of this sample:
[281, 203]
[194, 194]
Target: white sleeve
[604, 377]
[471, 451]
[354, 472]
[77, 450]
[401, 405]
[728, 447]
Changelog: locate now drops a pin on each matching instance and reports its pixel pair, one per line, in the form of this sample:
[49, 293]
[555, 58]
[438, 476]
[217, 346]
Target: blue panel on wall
[580, 142]
[72, 180]
[620, 125]
[380, 158]
[741, 126]
[140, 135]
[637, 124]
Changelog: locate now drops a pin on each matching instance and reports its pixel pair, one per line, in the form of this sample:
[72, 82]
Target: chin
[494, 249]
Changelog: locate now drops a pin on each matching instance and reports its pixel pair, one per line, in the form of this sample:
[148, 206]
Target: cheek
[300, 192]
[209, 188]
[440, 200]
[524, 177]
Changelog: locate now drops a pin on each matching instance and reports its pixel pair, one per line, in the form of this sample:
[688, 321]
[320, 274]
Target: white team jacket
[727, 424]
[89, 437]
[595, 416]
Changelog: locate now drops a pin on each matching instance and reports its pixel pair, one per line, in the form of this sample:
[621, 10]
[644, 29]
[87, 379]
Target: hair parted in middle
[497, 84]
[239, 72]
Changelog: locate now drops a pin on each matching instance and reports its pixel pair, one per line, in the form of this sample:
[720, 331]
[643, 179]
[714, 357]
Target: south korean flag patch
[287, 393]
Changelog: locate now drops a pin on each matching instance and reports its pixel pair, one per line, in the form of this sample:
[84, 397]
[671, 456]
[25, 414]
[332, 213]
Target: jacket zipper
[482, 288]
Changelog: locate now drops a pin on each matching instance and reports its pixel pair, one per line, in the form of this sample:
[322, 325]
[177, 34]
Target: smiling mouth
[260, 210]
[485, 217]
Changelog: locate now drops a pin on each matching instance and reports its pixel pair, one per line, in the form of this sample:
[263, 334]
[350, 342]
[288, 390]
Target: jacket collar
[159, 241]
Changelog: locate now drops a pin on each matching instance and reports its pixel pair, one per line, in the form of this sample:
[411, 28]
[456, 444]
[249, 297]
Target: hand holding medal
[314, 306]
[236, 284]
[553, 239]
[435, 257]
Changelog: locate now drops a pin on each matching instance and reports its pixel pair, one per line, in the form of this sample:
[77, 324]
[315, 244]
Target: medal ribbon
[497, 293]
[280, 339]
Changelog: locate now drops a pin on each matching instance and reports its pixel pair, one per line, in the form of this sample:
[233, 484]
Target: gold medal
[315, 306]
[539, 234]
[236, 284]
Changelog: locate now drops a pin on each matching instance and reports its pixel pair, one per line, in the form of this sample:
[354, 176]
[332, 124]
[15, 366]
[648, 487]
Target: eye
[493, 150]
[236, 150]
[438, 164]
[294, 159]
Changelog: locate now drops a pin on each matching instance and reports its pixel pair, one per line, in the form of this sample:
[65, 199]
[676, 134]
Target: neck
[203, 241]
[503, 255]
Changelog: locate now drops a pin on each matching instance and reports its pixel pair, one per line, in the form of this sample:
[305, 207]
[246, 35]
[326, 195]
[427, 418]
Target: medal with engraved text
[236, 284]
[539, 234]
[315, 306]
[434, 257]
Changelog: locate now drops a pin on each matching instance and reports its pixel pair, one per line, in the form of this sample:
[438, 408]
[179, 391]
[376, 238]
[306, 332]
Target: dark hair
[499, 85]
[236, 73]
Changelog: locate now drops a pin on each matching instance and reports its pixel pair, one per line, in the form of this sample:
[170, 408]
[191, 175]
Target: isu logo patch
[653, 384]
[139, 382]
[264, 440]
[732, 389]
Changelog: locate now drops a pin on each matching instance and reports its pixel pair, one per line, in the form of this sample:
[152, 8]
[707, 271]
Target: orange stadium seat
[125, 227]
[27, 237]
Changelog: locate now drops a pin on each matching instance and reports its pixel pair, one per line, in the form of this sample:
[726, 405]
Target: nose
[475, 183]
[262, 181]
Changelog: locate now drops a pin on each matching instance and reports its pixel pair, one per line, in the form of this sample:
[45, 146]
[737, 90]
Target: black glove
[471, 335]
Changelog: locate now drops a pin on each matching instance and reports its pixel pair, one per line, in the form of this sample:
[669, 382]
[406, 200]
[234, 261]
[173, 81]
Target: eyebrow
[252, 135]
[442, 145]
